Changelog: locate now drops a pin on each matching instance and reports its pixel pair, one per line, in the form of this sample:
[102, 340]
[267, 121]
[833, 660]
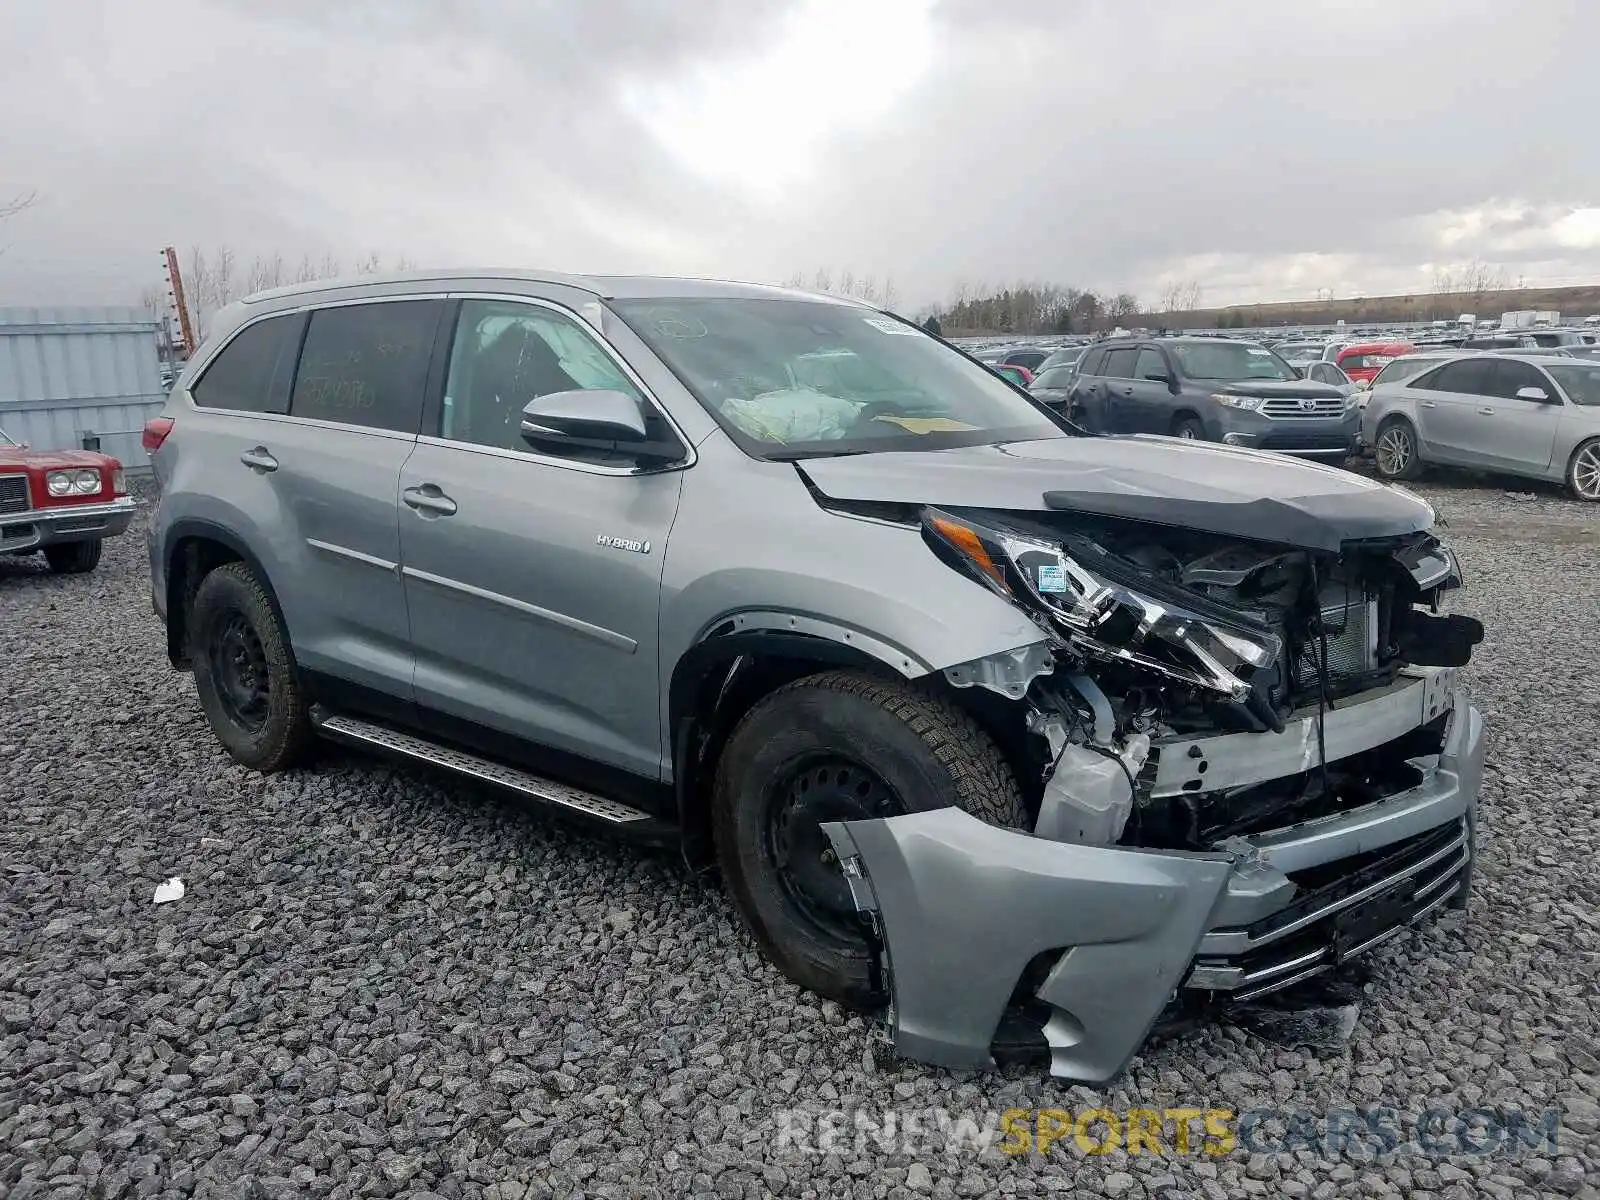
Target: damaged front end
[1246, 764]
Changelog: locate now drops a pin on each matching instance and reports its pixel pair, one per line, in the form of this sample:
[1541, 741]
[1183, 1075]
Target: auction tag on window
[1052, 578]
[885, 325]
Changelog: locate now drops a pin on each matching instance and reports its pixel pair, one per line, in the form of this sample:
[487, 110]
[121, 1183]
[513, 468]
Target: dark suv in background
[1212, 389]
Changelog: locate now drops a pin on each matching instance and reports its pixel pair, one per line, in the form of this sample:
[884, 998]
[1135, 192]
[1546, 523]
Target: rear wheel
[1583, 472]
[1394, 452]
[244, 671]
[840, 746]
[1189, 428]
[73, 558]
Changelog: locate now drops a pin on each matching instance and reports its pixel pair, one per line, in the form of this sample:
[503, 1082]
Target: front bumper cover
[963, 909]
[36, 528]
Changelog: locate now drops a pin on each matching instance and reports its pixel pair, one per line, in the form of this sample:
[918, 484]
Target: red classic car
[60, 502]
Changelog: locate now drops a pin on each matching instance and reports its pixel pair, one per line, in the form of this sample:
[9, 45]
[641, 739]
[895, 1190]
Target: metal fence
[80, 378]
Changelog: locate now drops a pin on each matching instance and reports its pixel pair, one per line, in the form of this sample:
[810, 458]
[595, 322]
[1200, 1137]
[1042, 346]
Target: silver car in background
[1523, 414]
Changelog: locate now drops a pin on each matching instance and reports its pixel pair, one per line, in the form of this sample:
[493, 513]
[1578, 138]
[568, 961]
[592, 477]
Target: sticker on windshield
[885, 325]
[1258, 352]
[1052, 577]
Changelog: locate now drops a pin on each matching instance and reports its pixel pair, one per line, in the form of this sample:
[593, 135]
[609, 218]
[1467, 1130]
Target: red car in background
[62, 503]
[1363, 360]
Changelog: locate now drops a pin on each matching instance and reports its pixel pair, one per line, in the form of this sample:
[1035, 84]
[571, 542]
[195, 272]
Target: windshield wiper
[797, 455]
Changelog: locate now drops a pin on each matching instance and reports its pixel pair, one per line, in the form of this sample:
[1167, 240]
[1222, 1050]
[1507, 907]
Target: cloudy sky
[1265, 149]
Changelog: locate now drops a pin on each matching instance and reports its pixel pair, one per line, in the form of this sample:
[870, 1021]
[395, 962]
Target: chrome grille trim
[1287, 408]
[14, 496]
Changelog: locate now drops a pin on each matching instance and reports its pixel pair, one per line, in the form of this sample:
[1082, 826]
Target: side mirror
[1534, 393]
[591, 422]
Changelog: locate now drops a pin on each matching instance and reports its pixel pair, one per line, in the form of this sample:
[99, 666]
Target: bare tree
[213, 279]
[21, 202]
[1181, 296]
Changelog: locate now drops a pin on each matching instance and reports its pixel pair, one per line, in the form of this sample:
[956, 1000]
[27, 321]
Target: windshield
[1229, 361]
[796, 378]
[1580, 381]
[1300, 355]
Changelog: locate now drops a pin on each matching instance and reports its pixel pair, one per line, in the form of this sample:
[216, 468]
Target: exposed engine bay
[1163, 637]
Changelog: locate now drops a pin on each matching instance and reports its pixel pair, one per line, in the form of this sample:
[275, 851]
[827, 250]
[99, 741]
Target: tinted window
[1151, 365]
[240, 378]
[1580, 381]
[367, 364]
[1327, 373]
[1509, 376]
[1054, 377]
[507, 354]
[1466, 375]
[1091, 362]
[1402, 369]
[1026, 358]
[1119, 362]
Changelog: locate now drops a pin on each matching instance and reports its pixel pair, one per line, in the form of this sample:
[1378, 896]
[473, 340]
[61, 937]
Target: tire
[1189, 428]
[244, 671]
[838, 746]
[1394, 450]
[1583, 471]
[73, 558]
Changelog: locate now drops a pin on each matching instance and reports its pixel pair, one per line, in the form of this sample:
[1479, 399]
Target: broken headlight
[1108, 608]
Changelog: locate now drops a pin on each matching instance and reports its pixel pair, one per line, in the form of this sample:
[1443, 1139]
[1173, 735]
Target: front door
[533, 582]
[1448, 400]
[1518, 435]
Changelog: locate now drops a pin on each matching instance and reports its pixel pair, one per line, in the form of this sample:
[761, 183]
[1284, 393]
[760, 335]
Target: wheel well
[719, 682]
[190, 559]
[1186, 414]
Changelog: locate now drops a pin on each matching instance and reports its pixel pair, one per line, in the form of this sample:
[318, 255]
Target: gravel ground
[380, 983]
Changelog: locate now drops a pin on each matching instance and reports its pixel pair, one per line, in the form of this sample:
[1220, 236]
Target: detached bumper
[965, 909]
[40, 527]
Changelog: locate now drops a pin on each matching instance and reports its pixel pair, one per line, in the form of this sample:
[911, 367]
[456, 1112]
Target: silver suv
[1042, 738]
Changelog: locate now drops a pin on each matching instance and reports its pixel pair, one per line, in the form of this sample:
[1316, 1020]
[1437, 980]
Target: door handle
[259, 459]
[428, 498]
[1429, 404]
[1486, 412]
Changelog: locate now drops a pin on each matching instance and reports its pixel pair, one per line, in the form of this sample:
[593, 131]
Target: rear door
[1518, 435]
[1448, 400]
[354, 410]
[1118, 407]
[1088, 398]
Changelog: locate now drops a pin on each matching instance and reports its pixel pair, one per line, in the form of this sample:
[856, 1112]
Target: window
[1402, 369]
[1580, 381]
[507, 354]
[241, 377]
[1119, 362]
[1509, 376]
[1054, 377]
[1091, 362]
[1324, 372]
[1469, 376]
[367, 364]
[748, 362]
[1151, 365]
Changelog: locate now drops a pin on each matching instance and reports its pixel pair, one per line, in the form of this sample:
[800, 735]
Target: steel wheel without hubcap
[1395, 452]
[802, 857]
[239, 667]
[1585, 476]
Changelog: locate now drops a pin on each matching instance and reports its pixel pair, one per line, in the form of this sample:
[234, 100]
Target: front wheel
[244, 671]
[1583, 472]
[1189, 429]
[1394, 451]
[73, 558]
[839, 746]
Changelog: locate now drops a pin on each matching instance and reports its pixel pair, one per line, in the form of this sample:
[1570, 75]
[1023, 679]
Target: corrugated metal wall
[67, 371]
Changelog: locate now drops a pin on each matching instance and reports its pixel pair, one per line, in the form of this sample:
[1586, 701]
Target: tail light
[156, 430]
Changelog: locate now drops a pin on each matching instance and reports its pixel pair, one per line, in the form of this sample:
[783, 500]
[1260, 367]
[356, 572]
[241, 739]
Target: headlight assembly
[1248, 403]
[1107, 608]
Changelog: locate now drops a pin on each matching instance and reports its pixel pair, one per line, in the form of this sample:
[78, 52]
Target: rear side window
[1090, 363]
[1510, 375]
[241, 377]
[367, 364]
[1119, 363]
[1467, 375]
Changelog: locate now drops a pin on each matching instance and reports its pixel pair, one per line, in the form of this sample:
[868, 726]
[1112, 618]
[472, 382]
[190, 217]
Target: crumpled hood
[1166, 481]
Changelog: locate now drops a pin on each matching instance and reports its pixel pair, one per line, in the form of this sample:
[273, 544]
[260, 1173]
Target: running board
[365, 735]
